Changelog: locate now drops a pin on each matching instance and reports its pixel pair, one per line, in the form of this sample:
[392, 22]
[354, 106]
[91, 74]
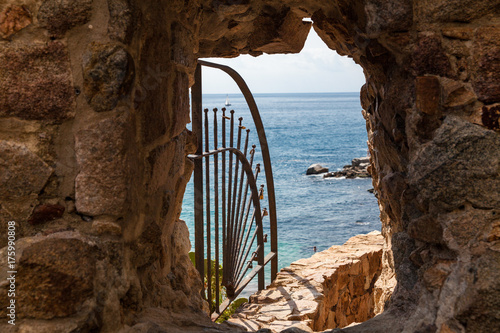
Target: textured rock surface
[357, 168]
[114, 156]
[108, 71]
[60, 16]
[333, 288]
[100, 187]
[13, 19]
[43, 92]
[316, 169]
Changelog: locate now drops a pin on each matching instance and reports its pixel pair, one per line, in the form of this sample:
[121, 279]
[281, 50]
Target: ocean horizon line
[287, 93]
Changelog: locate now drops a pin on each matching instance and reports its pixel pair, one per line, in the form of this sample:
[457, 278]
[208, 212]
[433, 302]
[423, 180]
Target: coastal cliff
[333, 288]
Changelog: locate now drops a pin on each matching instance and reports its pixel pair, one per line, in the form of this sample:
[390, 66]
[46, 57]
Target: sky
[315, 69]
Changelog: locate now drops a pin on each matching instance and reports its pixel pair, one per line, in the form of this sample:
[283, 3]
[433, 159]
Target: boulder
[360, 160]
[357, 169]
[316, 169]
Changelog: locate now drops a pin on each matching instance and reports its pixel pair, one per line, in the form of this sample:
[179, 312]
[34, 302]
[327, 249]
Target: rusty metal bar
[224, 240]
[207, 195]
[265, 156]
[198, 174]
[216, 215]
[245, 212]
[229, 227]
[238, 206]
[235, 187]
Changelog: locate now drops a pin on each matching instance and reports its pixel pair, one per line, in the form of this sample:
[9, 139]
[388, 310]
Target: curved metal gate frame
[232, 235]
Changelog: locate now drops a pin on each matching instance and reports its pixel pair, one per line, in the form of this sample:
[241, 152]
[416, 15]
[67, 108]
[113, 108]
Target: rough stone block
[452, 10]
[278, 31]
[430, 58]
[456, 94]
[60, 16]
[388, 16]
[55, 276]
[12, 19]
[486, 81]
[428, 94]
[41, 92]
[121, 20]
[21, 171]
[45, 213]
[101, 185]
[108, 72]
[461, 154]
[426, 229]
[106, 225]
[490, 117]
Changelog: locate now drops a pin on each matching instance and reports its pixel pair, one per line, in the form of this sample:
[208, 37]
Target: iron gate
[236, 222]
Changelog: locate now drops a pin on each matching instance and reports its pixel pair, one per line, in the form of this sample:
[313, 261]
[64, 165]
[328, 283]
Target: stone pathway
[333, 288]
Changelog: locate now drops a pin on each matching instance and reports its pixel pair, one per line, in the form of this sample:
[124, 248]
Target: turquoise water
[303, 129]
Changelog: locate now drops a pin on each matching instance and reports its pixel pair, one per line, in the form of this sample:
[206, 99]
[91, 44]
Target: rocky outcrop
[316, 169]
[333, 288]
[357, 169]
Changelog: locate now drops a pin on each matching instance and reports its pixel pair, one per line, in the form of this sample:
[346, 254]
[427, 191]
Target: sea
[303, 129]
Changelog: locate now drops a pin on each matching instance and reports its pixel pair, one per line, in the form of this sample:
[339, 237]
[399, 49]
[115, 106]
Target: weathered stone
[388, 16]
[426, 229]
[100, 187]
[428, 94]
[43, 92]
[55, 276]
[180, 238]
[434, 277]
[21, 171]
[60, 16]
[458, 32]
[453, 10]
[106, 225]
[121, 20]
[108, 71]
[316, 169]
[459, 155]
[45, 213]
[12, 19]
[278, 31]
[486, 80]
[456, 94]
[183, 38]
[491, 117]
[430, 58]
[148, 248]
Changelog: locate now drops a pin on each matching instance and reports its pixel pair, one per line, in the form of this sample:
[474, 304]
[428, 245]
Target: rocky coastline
[357, 169]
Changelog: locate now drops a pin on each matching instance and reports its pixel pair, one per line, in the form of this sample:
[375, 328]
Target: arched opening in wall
[310, 107]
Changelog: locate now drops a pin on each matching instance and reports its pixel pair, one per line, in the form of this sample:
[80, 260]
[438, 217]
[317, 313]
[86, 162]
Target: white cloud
[315, 69]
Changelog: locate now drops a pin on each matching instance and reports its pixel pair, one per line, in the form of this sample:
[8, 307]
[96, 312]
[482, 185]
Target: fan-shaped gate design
[230, 213]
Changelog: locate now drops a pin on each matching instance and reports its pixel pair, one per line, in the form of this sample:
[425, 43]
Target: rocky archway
[93, 108]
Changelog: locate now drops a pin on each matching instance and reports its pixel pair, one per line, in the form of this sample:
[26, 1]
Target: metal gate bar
[240, 235]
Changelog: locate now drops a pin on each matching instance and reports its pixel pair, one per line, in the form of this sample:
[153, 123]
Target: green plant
[222, 291]
[231, 309]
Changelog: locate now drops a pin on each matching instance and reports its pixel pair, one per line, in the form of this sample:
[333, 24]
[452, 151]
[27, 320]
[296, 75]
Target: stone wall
[333, 288]
[93, 108]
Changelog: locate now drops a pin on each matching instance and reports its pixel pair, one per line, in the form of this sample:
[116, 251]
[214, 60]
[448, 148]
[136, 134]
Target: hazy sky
[315, 69]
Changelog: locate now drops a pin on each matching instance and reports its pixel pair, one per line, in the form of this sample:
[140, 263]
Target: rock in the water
[316, 169]
[360, 160]
[357, 169]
